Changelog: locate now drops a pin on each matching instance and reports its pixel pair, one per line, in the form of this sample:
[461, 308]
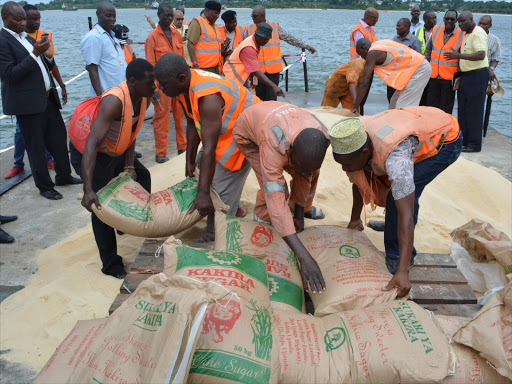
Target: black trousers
[441, 94]
[471, 100]
[46, 129]
[266, 93]
[361, 106]
[106, 169]
[76, 159]
[424, 95]
[390, 91]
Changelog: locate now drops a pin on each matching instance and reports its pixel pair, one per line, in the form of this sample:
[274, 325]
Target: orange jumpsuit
[336, 86]
[264, 133]
[156, 46]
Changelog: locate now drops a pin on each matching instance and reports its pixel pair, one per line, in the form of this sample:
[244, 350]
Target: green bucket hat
[347, 136]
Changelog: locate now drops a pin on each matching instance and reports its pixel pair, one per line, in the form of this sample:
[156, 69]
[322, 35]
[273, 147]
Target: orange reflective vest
[405, 62]
[239, 35]
[236, 100]
[40, 33]
[121, 136]
[369, 35]
[234, 69]
[269, 57]
[441, 66]
[430, 125]
[128, 53]
[208, 47]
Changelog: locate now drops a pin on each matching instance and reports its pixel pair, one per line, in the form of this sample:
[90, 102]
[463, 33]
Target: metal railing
[302, 57]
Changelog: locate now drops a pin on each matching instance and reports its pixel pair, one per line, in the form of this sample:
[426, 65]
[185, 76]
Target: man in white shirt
[29, 93]
[102, 52]
[416, 23]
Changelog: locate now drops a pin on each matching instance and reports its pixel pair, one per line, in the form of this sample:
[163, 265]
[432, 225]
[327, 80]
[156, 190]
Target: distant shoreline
[305, 9]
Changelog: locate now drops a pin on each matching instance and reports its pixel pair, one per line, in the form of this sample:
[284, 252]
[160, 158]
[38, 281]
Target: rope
[66, 83]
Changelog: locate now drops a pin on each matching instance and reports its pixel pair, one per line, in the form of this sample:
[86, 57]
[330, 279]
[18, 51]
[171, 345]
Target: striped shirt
[289, 38]
[494, 47]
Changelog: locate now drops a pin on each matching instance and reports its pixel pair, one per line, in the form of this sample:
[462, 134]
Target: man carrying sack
[276, 137]
[110, 150]
[211, 104]
[389, 168]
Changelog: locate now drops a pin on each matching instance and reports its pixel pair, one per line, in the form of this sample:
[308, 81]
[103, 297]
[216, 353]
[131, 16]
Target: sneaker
[14, 172]
[378, 226]
[392, 265]
[50, 164]
[314, 214]
[161, 159]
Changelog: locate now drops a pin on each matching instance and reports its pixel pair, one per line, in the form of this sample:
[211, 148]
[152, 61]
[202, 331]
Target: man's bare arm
[374, 58]
[95, 78]
[265, 80]
[210, 110]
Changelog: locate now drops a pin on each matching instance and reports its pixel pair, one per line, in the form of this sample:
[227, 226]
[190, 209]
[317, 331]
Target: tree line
[500, 7]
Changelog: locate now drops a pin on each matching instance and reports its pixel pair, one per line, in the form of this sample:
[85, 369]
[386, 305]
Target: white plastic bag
[480, 276]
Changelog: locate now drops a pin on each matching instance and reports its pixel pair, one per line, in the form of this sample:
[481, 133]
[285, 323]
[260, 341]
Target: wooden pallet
[437, 284]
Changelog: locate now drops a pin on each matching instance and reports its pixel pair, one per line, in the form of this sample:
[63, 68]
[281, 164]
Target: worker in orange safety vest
[276, 138]
[232, 31]
[243, 62]
[270, 57]
[110, 150]
[204, 45]
[364, 29]
[390, 158]
[211, 103]
[400, 67]
[445, 39]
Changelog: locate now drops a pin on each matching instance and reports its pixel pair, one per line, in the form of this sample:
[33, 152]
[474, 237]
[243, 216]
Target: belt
[474, 71]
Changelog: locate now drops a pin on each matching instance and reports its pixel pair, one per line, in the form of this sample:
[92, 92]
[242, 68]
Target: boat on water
[65, 8]
[153, 5]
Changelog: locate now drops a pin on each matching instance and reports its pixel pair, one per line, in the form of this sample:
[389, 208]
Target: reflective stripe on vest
[269, 57]
[208, 46]
[234, 69]
[405, 62]
[128, 53]
[420, 35]
[368, 35]
[236, 100]
[441, 66]
[274, 186]
[239, 37]
[388, 129]
[118, 141]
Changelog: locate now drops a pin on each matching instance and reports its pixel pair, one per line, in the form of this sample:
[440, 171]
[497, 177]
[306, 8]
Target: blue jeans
[424, 172]
[19, 149]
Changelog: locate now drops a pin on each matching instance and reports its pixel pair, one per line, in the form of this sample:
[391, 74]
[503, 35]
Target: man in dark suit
[28, 93]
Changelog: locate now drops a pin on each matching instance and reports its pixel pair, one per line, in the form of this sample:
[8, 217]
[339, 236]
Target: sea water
[326, 30]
